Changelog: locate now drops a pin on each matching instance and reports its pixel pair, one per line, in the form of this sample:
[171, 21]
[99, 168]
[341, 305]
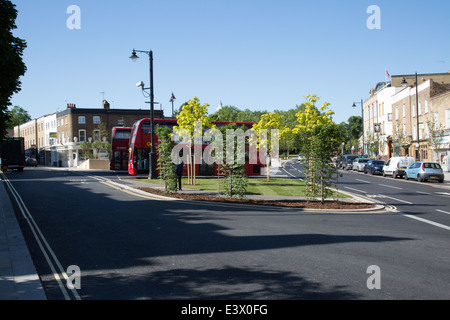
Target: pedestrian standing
[179, 173]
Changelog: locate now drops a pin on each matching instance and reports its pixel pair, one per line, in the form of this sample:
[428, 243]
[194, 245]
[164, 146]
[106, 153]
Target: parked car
[300, 157]
[424, 171]
[374, 167]
[346, 161]
[359, 163]
[396, 166]
[30, 162]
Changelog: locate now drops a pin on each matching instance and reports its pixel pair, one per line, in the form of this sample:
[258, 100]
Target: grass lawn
[256, 186]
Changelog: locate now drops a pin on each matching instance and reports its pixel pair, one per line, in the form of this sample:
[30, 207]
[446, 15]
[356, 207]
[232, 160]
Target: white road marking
[425, 221]
[356, 190]
[385, 185]
[442, 211]
[407, 202]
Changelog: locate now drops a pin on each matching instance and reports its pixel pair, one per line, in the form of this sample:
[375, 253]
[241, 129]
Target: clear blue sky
[256, 54]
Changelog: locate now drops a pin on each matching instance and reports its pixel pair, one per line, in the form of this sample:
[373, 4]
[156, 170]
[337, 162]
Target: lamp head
[140, 84]
[134, 56]
[404, 83]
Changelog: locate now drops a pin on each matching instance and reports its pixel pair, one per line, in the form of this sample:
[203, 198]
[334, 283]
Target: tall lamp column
[404, 83]
[152, 156]
[362, 119]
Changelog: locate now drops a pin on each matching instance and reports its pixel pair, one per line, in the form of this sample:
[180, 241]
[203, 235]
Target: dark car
[345, 162]
[374, 167]
[30, 162]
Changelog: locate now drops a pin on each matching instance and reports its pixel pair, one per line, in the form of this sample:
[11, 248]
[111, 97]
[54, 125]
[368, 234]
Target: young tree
[325, 142]
[165, 164]
[310, 123]
[436, 134]
[11, 65]
[235, 180]
[191, 113]
[269, 128]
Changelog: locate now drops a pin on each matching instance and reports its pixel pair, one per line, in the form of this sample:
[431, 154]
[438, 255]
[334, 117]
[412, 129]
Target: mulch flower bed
[341, 205]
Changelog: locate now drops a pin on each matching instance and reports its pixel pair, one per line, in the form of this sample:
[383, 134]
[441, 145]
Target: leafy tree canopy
[17, 116]
[11, 65]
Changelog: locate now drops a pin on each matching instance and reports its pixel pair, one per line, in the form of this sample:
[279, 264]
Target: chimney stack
[105, 104]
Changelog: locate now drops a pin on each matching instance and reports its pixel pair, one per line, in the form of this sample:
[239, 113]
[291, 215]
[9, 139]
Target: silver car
[424, 171]
[359, 163]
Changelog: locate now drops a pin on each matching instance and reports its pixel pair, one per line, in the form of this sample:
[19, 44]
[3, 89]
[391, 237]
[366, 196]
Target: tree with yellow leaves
[192, 118]
[319, 138]
[269, 128]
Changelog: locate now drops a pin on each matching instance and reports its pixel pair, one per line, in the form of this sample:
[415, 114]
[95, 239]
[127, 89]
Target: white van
[446, 164]
[396, 166]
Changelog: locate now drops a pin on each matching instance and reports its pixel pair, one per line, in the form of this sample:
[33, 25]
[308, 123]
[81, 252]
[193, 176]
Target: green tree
[165, 164]
[16, 117]
[249, 116]
[235, 180]
[436, 133]
[226, 113]
[325, 142]
[12, 66]
[87, 147]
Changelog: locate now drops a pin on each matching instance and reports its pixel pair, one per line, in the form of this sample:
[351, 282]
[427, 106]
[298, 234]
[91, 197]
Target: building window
[396, 113]
[82, 135]
[419, 110]
[120, 122]
[404, 111]
[413, 110]
[426, 106]
[81, 120]
[96, 120]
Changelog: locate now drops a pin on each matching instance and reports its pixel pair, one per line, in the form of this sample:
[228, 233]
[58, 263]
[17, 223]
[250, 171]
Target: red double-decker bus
[120, 139]
[140, 146]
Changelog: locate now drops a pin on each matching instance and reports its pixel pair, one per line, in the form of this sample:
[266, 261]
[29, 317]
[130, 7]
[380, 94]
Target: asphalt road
[132, 247]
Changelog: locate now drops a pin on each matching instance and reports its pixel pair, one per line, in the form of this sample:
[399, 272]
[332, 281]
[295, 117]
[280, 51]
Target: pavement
[18, 277]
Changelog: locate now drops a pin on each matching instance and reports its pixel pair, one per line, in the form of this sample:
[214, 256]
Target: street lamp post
[405, 83]
[152, 156]
[362, 119]
[172, 99]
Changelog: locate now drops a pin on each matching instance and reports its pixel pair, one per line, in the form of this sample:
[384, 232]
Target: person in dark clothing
[179, 173]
